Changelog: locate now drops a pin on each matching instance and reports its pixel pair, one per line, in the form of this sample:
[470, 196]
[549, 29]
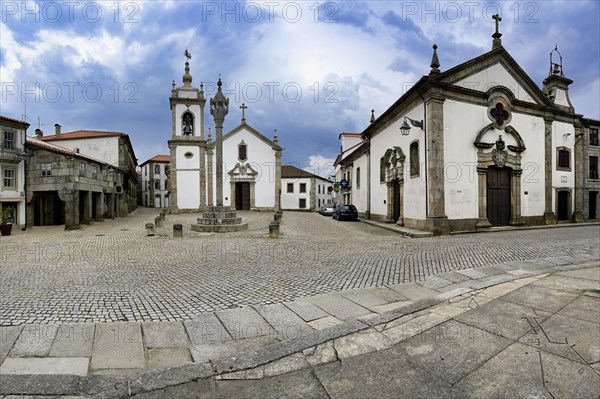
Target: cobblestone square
[111, 271]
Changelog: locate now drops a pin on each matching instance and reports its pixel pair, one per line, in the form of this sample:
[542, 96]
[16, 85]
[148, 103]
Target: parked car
[327, 210]
[346, 212]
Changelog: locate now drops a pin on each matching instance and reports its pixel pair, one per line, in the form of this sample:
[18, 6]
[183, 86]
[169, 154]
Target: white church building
[475, 146]
[251, 162]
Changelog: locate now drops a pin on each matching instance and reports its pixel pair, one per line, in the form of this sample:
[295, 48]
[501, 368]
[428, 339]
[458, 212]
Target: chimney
[39, 134]
[57, 130]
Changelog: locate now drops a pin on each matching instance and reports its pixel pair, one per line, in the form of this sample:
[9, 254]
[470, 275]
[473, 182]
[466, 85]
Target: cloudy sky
[309, 69]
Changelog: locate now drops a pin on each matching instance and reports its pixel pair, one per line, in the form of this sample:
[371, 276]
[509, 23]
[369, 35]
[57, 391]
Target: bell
[556, 69]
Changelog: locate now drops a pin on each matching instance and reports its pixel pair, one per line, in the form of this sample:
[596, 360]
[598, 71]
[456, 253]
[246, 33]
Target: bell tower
[187, 182]
[556, 85]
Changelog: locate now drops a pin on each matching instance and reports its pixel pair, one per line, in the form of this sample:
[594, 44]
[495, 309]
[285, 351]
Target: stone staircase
[219, 219]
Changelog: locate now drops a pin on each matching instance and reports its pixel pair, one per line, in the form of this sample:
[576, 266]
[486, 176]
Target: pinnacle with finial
[435, 62]
[372, 115]
[275, 137]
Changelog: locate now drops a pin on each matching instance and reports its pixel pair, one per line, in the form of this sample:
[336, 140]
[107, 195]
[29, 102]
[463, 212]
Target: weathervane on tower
[187, 54]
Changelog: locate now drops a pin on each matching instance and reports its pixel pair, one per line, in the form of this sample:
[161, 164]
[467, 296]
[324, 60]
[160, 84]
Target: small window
[46, 169]
[157, 169]
[302, 203]
[290, 187]
[157, 185]
[81, 169]
[10, 175]
[187, 124]
[319, 188]
[593, 136]
[9, 140]
[564, 159]
[593, 167]
[242, 151]
[188, 155]
[357, 177]
[414, 159]
[302, 187]
[94, 171]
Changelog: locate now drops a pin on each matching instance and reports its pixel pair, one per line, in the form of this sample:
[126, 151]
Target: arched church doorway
[242, 196]
[498, 195]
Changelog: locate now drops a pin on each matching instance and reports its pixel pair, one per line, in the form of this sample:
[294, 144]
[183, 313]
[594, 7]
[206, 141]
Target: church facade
[245, 162]
[475, 146]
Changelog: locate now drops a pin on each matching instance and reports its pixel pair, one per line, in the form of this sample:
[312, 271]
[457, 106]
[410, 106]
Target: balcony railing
[12, 154]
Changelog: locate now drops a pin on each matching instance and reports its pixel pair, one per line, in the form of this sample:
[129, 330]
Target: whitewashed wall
[102, 148]
[188, 177]
[495, 75]
[292, 200]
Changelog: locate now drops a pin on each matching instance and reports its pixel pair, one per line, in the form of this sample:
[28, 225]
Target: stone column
[482, 221]
[515, 198]
[71, 199]
[549, 216]
[232, 199]
[172, 182]
[252, 195]
[578, 166]
[99, 206]
[389, 217]
[400, 221]
[209, 175]
[219, 107]
[202, 176]
[87, 207]
[277, 180]
[437, 221]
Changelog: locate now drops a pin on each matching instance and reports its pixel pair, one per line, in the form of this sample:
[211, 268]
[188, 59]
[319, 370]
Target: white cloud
[320, 165]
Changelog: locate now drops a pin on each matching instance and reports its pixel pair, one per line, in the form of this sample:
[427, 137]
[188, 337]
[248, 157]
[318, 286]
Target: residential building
[114, 148]
[13, 159]
[70, 188]
[589, 163]
[155, 182]
[304, 191]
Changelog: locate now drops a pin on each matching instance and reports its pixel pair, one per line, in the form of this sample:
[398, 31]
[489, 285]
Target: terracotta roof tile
[289, 171]
[6, 118]
[83, 134]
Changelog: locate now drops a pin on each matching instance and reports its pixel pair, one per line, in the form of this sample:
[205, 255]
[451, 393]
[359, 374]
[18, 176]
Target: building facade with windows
[155, 182]
[476, 146]
[114, 148]
[251, 162]
[13, 159]
[70, 188]
[591, 175]
[304, 191]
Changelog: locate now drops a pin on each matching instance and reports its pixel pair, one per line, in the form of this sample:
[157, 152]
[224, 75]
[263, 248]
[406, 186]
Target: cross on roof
[498, 18]
[499, 114]
[243, 107]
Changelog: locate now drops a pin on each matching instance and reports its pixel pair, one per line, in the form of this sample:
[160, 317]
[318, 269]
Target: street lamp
[405, 128]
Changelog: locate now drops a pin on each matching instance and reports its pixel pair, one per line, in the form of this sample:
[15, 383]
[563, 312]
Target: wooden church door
[498, 196]
[242, 196]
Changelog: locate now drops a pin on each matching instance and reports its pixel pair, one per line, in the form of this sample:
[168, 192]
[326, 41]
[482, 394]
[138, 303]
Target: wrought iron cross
[499, 114]
[498, 18]
[243, 107]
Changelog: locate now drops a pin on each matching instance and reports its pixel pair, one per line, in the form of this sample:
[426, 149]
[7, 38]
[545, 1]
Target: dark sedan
[346, 212]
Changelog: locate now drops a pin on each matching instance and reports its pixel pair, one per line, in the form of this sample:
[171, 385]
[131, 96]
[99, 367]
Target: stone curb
[121, 386]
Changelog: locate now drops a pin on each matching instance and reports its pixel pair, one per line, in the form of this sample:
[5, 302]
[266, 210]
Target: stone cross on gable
[243, 107]
[498, 18]
[499, 114]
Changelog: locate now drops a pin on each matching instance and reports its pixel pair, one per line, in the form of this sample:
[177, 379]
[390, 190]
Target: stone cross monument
[219, 107]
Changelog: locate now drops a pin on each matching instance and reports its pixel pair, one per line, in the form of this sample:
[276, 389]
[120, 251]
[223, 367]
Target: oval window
[188, 155]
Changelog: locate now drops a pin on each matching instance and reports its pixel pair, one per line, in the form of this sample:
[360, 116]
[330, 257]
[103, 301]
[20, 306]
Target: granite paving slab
[434, 282]
[548, 299]
[48, 365]
[206, 352]
[165, 334]
[74, 340]
[285, 322]
[242, 323]
[568, 283]
[451, 350]
[471, 273]
[325, 322]
[206, 328]
[118, 346]
[583, 336]
[163, 358]
[583, 308]
[588, 274]
[34, 340]
[504, 318]
[306, 310]
[368, 376]
[364, 298]
[413, 291]
[8, 336]
[387, 294]
[338, 306]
